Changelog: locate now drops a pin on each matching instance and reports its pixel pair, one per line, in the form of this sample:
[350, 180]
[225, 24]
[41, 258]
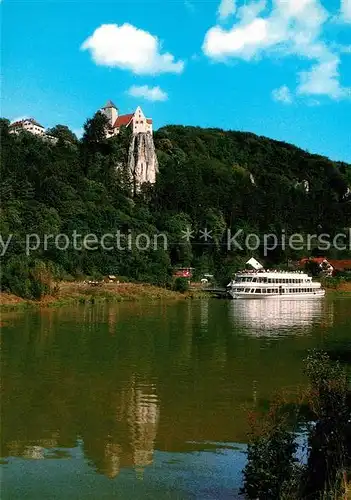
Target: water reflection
[204, 305]
[110, 439]
[143, 418]
[277, 316]
[129, 441]
[117, 386]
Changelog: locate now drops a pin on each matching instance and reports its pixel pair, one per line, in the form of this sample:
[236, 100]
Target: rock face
[347, 195]
[142, 160]
[304, 185]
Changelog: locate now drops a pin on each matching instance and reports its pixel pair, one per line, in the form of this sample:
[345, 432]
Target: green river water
[148, 400]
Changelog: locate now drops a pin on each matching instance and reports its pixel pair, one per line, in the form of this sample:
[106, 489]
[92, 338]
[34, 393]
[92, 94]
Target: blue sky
[280, 68]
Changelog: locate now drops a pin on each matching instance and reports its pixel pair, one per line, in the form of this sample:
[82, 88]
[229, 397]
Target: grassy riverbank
[343, 289]
[81, 293]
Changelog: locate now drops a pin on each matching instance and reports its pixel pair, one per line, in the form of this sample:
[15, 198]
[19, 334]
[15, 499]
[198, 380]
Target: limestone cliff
[142, 160]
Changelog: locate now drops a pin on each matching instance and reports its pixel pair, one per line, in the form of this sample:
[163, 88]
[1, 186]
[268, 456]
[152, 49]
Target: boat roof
[270, 273]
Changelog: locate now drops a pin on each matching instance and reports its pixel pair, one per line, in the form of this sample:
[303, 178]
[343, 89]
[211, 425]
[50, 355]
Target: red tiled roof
[123, 120]
[148, 120]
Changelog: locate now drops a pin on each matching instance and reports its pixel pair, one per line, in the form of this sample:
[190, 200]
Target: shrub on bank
[328, 457]
[270, 462]
[181, 285]
[30, 279]
[333, 282]
[272, 472]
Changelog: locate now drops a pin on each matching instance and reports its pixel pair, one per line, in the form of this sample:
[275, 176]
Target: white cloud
[128, 47]
[148, 93]
[243, 41]
[226, 8]
[323, 79]
[346, 10]
[249, 11]
[282, 94]
[290, 28]
[290, 25]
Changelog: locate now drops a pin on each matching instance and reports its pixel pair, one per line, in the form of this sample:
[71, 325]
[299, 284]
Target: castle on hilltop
[136, 121]
[142, 162]
[142, 159]
[32, 126]
[28, 124]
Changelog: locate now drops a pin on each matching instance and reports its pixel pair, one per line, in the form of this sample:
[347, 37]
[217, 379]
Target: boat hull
[284, 296]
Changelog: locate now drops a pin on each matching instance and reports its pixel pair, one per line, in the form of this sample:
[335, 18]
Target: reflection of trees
[60, 382]
[130, 378]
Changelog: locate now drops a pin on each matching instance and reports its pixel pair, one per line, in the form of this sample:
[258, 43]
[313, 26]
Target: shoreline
[80, 293]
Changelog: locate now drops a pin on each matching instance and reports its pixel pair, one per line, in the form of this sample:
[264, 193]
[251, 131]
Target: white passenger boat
[261, 283]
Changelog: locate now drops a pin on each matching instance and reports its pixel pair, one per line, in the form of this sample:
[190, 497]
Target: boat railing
[272, 271]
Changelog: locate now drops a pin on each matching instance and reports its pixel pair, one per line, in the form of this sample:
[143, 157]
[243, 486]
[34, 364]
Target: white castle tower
[111, 113]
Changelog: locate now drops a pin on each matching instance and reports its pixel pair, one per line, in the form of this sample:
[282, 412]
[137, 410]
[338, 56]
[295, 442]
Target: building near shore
[330, 267]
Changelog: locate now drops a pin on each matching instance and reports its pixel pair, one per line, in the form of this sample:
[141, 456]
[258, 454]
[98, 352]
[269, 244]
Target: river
[148, 400]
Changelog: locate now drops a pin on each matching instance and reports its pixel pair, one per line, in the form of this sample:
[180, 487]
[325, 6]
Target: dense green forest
[208, 178]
